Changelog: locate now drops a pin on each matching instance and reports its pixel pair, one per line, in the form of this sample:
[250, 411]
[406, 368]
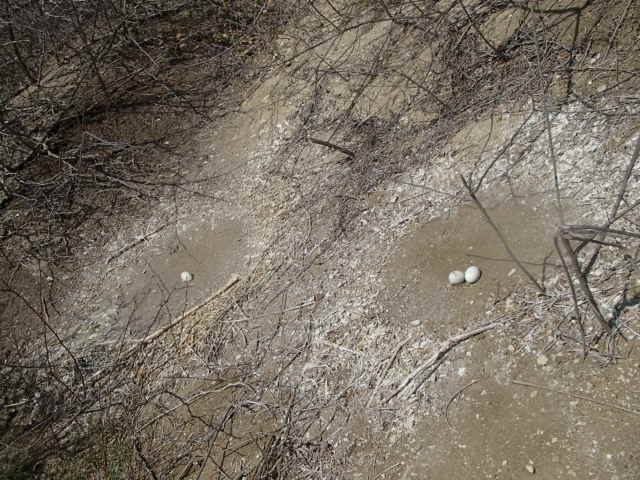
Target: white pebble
[186, 276]
[456, 277]
[472, 275]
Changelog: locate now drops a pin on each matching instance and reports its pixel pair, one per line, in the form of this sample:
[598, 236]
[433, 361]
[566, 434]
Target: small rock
[531, 469]
[456, 277]
[186, 276]
[472, 274]
[542, 360]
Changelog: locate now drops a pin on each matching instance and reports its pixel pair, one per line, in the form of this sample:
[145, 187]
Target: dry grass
[261, 381]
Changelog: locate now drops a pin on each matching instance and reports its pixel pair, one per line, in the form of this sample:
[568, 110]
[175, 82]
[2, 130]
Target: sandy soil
[349, 258]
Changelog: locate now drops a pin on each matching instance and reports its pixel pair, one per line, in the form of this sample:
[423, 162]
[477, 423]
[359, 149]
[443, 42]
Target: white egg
[456, 277]
[472, 275]
[186, 276]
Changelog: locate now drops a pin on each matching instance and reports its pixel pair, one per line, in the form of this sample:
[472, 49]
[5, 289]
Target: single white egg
[472, 274]
[456, 277]
[186, 276]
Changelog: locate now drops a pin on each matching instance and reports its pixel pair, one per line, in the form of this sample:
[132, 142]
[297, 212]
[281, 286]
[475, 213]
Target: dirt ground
[343, 264]
[515, 403]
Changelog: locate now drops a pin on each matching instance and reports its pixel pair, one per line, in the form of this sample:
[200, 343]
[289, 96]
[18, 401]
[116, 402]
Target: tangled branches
[88, 103]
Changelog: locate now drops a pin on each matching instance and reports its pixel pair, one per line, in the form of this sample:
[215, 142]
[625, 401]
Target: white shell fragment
[472, 275]
[456, 277]
[186, 276]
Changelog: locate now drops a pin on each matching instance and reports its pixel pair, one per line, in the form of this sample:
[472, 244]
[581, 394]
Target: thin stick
[613, 406]
[158, 333]
[282, 312]
[593, 240]
[386, 370]
[584, 229]
[422, 87]
[522, 268]
[614, 211]
[453, 397]
[478, 31]
[448, 345]
[381, 474]
[136, 242]
[504, 149]
[333, 146]
[47, 322]
[554, 161]
[187, 403]
[582, 281]
[144, 460]
[574, 297]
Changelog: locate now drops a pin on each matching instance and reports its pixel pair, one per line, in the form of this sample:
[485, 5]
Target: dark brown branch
[582, 279]
[574, 297]
[586, 229]
[333, 146]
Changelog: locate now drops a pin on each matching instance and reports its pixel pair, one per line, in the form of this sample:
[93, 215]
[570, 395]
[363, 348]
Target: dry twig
[579, 396]
[436, 357]
[513, 256]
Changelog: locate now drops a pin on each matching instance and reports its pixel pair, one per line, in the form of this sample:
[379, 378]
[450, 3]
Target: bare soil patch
[332, 355]
[418, 294]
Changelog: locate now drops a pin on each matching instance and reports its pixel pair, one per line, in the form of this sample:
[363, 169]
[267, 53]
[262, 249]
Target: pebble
[456, 277]
[531, 469]
[542, 360]
[472, 274]
[186, 276]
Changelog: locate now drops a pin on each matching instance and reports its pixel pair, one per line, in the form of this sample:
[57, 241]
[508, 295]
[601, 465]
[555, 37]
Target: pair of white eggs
[470, 275]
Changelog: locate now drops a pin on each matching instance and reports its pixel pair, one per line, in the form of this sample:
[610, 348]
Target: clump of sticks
[576, 270]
